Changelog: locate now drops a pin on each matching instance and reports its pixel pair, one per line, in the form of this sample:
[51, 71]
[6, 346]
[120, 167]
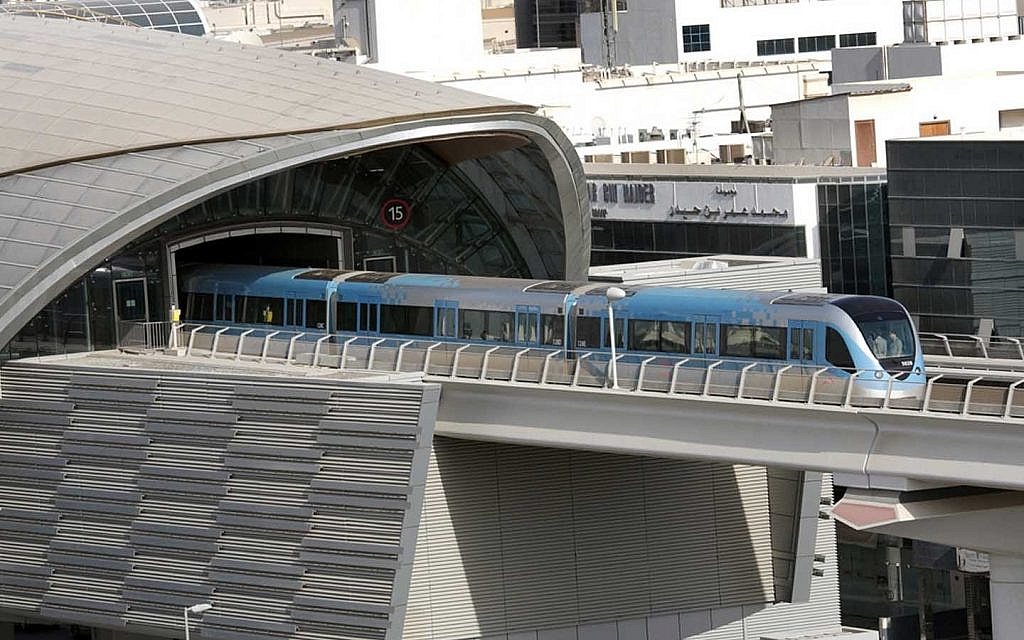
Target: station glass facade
[957, 233]
[492, 215]
[853, 223]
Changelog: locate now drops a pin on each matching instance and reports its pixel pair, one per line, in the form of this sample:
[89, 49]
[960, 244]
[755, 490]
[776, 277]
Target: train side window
[808, 345]
[199, 307]
[552, 330]
[258, 310]
[743, 341]
[346, 312]
[499, 326]
[226, 306]
[620, 334]
[316, 314]
[588, 332]
[794, 344]
[474, 324]
[836, 350]
[675, 336]
[644, 335]
[400, 319]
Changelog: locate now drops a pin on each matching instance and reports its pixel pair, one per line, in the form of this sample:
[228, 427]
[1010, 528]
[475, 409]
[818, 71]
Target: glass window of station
[957, 234]
[495, 215]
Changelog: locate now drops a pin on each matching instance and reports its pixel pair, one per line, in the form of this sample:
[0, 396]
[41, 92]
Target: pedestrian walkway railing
[999, 395]
[143, 335]
[958, 345]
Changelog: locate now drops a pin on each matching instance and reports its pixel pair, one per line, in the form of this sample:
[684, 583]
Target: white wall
[736, 30]
[418, 35]
[971, 104]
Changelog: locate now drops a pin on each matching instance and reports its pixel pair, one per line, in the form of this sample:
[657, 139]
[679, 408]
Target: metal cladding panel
[520, 539]
[137, 515]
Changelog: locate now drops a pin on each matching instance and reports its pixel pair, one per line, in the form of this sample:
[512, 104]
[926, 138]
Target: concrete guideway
[964, 430]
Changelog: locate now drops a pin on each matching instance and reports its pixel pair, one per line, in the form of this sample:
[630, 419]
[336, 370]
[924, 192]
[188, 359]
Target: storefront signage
[395, 213]
[624, 192]
[713, 215]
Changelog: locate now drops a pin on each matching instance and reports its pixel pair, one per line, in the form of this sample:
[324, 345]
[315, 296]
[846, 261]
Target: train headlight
[878, 375]
[917, 369]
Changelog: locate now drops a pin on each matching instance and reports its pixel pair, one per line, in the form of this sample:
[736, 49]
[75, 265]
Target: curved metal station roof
[106, 131]
[72, 89]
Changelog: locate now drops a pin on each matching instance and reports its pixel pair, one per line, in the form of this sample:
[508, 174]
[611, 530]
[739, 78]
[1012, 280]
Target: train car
[866, 334]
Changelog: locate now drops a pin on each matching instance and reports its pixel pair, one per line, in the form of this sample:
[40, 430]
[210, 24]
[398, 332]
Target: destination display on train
[691, 201]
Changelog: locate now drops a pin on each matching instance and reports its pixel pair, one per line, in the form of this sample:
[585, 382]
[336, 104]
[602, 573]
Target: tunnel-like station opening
[451, 207]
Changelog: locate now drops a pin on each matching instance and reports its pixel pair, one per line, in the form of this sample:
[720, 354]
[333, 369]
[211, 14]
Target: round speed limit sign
[395, 213]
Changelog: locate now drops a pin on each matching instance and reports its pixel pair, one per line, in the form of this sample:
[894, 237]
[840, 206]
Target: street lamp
[613, 294]
[196, 609]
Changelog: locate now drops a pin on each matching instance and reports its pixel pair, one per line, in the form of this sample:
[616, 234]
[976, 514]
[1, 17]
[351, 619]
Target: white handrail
[192, 337]
[455, 359]
[401, 352]
[426, 358]
[373, 352]
[967, 395]
[291, 348]
[316, 350]
[707, 376]
[814, 384]
[486, 359]
[640, 375]
[544, 370]
[743, 378]
[778, 381]
[928, 391]
[241, 339]
[849, 388]
[1009, 397]
[216, 339]
[576, 373]
[344, 351]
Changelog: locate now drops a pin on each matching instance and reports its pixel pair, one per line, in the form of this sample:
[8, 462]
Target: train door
[527, 325]
[293, 310]
[801, 342]
[705, 337]
[369, 317]
[446, 319]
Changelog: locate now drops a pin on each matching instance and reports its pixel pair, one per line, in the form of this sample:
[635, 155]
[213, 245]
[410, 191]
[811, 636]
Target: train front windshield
[886, 329]
[891, 338]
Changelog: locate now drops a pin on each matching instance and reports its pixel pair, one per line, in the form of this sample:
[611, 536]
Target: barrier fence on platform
[989, 395]
[956, 345]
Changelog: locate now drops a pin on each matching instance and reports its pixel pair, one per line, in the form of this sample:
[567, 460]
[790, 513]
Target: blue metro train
[847, 332]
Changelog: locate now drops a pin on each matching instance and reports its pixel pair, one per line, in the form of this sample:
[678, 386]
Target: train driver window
[552, 330]
[316, 314]
[837, 352]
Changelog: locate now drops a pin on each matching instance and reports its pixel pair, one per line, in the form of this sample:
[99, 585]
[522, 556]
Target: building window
[696, 37]
[865, 39]
[817, 43]
[597, 6]
[775, 47]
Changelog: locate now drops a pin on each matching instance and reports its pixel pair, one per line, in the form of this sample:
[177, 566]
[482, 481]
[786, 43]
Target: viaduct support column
[1007, 593]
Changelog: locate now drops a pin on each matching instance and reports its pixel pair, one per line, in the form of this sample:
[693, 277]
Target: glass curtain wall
[618, 242]
[853, 223]
[957, 233]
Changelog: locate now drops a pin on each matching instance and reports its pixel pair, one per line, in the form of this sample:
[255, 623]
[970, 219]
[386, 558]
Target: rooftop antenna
[610, 18]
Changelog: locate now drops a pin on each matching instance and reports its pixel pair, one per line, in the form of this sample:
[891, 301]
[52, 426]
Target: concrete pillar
[1007, 595]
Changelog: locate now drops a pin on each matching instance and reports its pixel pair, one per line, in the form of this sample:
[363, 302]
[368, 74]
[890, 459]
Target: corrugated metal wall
[291, 504]
[515, 539]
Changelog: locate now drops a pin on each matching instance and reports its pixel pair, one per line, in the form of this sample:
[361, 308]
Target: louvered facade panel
[289, 504]
[516, 540]
[681, 534]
